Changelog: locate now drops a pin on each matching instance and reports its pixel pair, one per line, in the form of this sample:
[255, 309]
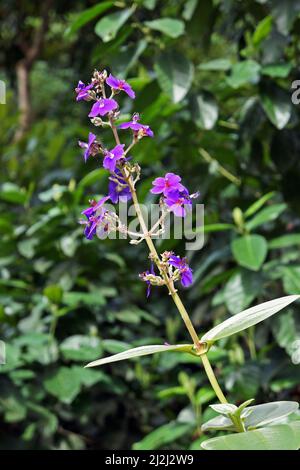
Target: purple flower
[111, 157]
[177, 202]
[118, 189]
[186, 274]
[118, 84]
[95, 215]
[91, 147]
[144, 277]
[140, 130]
[82, 91]
[170, 182]
[102, 107]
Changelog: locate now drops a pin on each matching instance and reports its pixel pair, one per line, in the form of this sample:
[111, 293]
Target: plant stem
[169, 283]
[212, 378]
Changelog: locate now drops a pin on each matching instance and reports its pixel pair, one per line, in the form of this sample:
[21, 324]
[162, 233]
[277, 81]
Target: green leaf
[277, 70]
[268, 412]
[141, 351]
[285, 241]
[171, 27]
[258, 204]
[87, 15]
[108, 27]
[268, 214]
[175, 74]
[250, 251]
[248, 318]
[81, 348]
[217, 227]
[162, 436]
[243, 73]
[64, 384]
[225, 408]
[241, 289]
[291, 279]
[280, 437]
[10, 192]
[262, 30]
[216, 65]
[277, 106]
[204, 110]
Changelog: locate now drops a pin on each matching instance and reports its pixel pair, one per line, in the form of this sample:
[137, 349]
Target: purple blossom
[177, 202]
[170, 182]
[144, 277]
[111, 157]
[95, 215]
[141, 130]
[91, 147]
[82, 91]
[102, 107]
[118, 84]
[186, 274]
[118, 189]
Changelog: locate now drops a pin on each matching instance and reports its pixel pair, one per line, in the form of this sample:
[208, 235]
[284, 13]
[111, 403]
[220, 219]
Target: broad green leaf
[262, 30]
[108, 27]
[141, 351]
[258, 204]
[267, 412]
[280, 437]
[277, 106]
[241, 289]
[204, 110]
[250, 251]
[87, 15]
[248, 318]
[285, 241]
[291, 279]
[81, 348]
[169, 26]
[216, 65]
[268, 214]
[189, 8]
[64, 384]
[175, 74]
[243, 73]
[163, 435]
[277, 70]
[10, 192]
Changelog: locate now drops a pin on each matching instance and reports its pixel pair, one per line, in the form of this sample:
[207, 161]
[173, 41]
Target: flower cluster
[102, 91]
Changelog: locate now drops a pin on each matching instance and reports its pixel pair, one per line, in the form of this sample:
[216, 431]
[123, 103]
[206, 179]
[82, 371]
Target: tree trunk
[24, 101]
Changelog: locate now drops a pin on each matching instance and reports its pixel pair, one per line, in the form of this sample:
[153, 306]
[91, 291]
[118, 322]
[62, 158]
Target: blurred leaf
[277, 106]
[162, 436]
[174, 73]
[241, 289]
[277, 70]
[262, 30]
[168, 26]
[87, 15]
[250, 251]
[285, 241]
[267, 214]
[54, 293]
[81, 348]
[108, 27]
[64, 384]
[291, 279]
[258, 204]
[216, 65]
[204, 110]
[243, 73]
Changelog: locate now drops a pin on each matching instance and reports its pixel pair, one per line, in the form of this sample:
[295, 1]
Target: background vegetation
[213, 79]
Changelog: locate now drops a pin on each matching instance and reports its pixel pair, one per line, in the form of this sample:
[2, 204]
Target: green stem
[212, 378]
[169, 283]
